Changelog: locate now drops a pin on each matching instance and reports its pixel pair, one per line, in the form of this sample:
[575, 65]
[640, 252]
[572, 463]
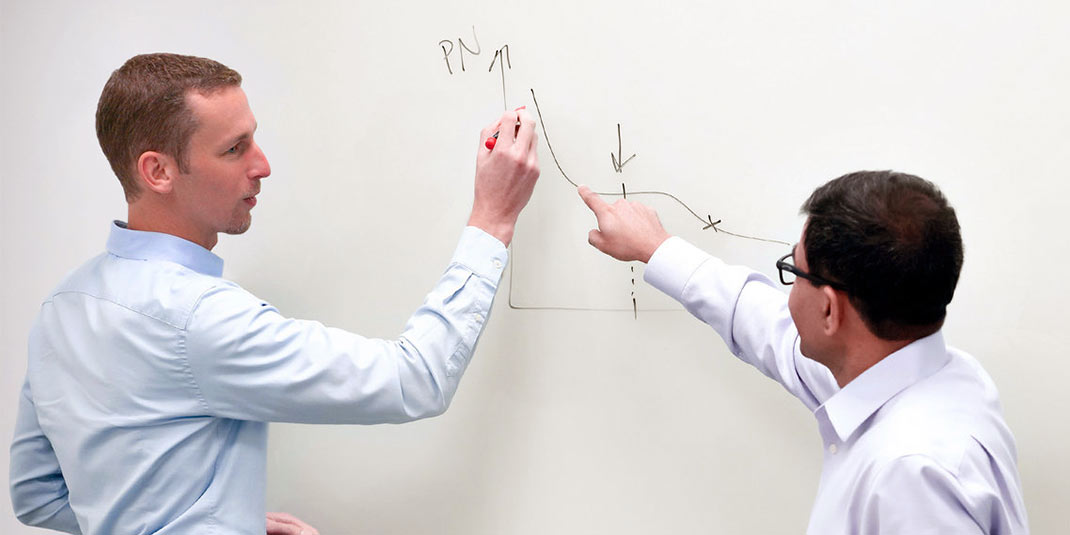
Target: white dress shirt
[151, 379]
[915, 445]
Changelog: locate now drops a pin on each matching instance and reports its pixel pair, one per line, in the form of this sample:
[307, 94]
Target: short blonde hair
[143, 108]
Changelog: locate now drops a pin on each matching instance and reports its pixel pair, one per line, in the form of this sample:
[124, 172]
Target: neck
[148, 216]
[861, 354]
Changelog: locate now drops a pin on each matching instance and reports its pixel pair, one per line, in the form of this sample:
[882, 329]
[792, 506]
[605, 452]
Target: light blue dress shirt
[151, 379]
[915, 445]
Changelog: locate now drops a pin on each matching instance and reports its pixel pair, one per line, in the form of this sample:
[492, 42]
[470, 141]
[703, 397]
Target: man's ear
[835, 314]
[157, 171]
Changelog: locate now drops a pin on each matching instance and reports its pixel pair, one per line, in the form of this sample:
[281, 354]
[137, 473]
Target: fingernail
[521, 108]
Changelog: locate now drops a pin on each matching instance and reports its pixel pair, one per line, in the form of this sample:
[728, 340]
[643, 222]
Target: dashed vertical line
[635, 306]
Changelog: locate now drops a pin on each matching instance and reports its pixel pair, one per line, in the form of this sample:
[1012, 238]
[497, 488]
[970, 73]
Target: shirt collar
[143, 245]
[859, 399]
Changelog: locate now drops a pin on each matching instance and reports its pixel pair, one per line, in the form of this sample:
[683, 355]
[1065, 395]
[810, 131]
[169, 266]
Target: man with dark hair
[913, 433]
[151, 379]
[894, 241]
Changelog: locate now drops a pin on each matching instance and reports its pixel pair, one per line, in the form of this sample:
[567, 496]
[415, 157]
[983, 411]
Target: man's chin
[239, 228]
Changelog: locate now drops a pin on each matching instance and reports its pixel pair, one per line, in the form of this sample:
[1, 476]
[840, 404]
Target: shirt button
[478, 317]
[833, 449]
[497, 264]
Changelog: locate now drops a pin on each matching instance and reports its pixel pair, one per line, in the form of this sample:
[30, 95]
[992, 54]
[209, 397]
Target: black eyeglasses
[788, 272]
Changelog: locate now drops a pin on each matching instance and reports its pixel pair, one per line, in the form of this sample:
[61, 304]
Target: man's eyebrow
[242, 137]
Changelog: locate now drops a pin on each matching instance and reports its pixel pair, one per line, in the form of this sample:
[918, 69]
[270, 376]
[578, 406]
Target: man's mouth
[251, 200]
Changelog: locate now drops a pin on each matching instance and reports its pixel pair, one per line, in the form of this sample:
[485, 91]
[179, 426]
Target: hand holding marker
[494, 139]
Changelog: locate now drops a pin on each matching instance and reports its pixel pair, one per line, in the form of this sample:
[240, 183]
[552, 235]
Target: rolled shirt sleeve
[247, 361]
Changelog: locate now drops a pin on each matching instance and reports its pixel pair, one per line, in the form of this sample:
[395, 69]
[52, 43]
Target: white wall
[572, 421]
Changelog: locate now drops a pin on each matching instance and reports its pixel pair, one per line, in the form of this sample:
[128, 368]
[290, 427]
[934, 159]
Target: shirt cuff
[672, 265]
[482, 253]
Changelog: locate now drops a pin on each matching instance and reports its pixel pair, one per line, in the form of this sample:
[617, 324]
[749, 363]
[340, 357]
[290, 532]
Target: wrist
[502, 230]
[655, 244]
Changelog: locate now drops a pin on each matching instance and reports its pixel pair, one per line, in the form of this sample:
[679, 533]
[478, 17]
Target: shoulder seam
[114, 302]
[185, 349]
[932, 460]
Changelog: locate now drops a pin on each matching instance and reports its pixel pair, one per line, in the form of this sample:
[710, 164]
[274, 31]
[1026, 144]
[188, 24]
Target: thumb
[595, 238]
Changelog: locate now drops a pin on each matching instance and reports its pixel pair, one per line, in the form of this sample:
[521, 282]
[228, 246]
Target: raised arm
[250, 362]
[742, 305]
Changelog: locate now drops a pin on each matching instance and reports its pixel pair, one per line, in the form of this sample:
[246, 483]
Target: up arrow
[503, 54]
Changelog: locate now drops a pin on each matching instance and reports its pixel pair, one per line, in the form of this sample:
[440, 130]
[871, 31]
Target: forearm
[716, 294]
[251, 363]
[742, 305]
[38, 490]
[34, 508]
[440, 338]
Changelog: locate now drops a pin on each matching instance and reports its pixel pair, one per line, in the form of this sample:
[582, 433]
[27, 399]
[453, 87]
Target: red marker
[491, 141]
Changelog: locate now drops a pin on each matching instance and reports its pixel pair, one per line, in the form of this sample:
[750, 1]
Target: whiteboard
[582, 411]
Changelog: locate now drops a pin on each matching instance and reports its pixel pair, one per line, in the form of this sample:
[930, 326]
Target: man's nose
[261, 168]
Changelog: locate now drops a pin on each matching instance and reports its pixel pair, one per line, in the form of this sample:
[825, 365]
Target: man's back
[115, 395]
[938, 445]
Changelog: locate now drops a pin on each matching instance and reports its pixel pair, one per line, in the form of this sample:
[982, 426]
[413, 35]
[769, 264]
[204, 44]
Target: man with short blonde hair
[144, 107]
[151, 378]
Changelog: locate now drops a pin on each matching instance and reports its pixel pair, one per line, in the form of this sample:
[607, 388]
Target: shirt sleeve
[914, 495]
[249, 362]
[38, 490]
[747, 310]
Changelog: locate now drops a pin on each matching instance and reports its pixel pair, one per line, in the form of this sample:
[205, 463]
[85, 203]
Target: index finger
[594, 201]
[526, 130]
[505, 128]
